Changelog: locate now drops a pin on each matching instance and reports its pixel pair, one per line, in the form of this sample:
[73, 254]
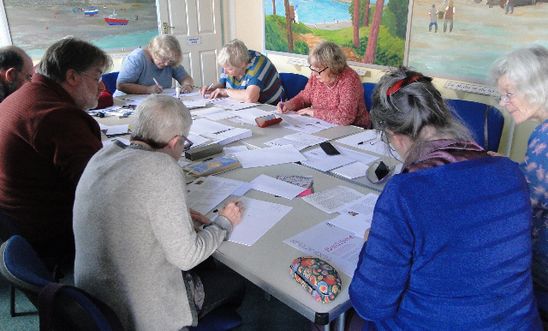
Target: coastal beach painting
[115, 25]
[369, 31]
[477, 33]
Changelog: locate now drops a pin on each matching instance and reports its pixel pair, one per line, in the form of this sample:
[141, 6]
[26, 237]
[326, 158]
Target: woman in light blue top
[151, 69]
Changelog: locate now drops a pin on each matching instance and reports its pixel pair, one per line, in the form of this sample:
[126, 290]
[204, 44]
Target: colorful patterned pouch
[317, 277]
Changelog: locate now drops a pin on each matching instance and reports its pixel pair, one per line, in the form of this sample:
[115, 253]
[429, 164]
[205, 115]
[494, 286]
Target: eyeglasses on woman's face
[505, 98]
[318, 71]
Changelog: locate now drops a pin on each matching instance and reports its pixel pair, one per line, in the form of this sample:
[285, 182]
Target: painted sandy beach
[480, 35]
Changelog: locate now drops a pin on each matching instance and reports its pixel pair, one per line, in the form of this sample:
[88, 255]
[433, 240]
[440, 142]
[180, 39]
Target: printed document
[368, 140]
[258, 217]
[317, 159]
[337, 246]
[357, 218]
[334, 199]
[299, 140]
[231, 104]
[305, 124]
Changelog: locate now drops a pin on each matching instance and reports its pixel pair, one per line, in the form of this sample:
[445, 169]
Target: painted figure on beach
[509, 7]
[433, 19]
[448, 17]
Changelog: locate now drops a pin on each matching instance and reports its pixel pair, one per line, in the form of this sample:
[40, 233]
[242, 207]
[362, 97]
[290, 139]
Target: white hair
[527, 69]
[159, 119]
[234, 54]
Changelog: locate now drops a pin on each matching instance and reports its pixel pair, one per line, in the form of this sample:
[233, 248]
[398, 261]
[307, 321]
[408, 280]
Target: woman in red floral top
[334, 92]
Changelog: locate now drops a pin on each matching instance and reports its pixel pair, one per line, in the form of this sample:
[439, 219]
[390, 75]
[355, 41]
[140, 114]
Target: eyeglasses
[186, 143]
[505, 98]
[316, 70]
[97, 79]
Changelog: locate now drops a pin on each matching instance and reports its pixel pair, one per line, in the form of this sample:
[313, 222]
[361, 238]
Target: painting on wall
[369, 31]
[460, 39]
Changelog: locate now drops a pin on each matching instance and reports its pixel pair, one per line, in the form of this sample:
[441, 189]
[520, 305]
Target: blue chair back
[223, 318]
[368, 89]
[484, 121]
[292, 83]
[109, 79]
[61, 307]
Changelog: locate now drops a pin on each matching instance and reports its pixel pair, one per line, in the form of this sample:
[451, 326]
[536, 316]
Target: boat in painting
[113, 19]
[91, 11]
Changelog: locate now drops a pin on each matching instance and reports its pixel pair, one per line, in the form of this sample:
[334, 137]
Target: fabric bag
[317, 277]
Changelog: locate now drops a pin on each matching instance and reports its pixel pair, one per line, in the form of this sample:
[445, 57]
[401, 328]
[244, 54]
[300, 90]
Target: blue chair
[368, 89]
[292, 83]
[60, 307]
[484, 121]
[223, 318]
[109, 79]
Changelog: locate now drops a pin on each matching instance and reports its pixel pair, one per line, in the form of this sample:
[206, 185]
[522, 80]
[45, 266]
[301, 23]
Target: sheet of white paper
[305, 124]
[317, 159]
[282, 141]
[334, 199]
[258, 217]
[112, 130]
[300, 140]
[357, 218]
[229, 135]
[197, 140]
[204, 194]
[364, 158]
[231, 104]
[274, 186]
[249, 115]
[200, 103]
[337, 246]
[232, 150]
[352, 170]
[222, 115]
[202, 126]
[269, 156]
[368, 140]
[202, 112]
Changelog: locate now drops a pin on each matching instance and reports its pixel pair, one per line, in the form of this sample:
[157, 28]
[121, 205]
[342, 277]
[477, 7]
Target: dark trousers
[222, 286]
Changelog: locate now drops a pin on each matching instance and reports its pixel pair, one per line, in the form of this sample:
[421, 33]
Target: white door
[197, 26]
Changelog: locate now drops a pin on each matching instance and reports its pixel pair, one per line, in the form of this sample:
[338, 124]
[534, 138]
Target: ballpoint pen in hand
[156, 82]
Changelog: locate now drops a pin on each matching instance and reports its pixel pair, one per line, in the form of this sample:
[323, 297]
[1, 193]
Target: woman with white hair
[522, 81]
[151, 69]
[247, 76]
[334, 92]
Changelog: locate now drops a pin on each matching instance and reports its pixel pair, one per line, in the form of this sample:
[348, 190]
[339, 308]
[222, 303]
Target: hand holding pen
[206, 90]
[156, 88]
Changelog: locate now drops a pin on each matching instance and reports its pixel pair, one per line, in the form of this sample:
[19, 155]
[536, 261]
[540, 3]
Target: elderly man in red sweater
[46, 140]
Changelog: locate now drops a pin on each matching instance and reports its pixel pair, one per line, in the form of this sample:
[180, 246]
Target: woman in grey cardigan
[134, 233]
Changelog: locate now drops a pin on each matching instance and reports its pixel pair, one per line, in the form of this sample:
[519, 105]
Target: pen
[156, 82]
[281, 103]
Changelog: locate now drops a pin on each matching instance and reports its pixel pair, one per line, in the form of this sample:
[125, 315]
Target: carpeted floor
[259, 313]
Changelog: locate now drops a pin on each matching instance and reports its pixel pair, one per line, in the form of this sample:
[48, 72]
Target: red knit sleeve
[342, 106]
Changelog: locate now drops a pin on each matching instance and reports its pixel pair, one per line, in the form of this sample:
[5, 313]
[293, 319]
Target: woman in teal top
[522, 81]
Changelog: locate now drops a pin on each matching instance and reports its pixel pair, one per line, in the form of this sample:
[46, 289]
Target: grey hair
[234, 54]
[159, 119]
[527, 68]
[415, 105]
[71, 53]
[166, 47]
[329, 55]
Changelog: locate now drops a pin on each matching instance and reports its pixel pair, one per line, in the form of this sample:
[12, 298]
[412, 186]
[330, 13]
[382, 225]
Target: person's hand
[233, 212]
[306, 111]
[218, 93]
[494, 153]
[199, 217]
[186, 88]
[282, 107]
[154, 89]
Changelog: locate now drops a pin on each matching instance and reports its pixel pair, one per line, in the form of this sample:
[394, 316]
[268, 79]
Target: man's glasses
[316, 70]
[186, 143]
[97, 79]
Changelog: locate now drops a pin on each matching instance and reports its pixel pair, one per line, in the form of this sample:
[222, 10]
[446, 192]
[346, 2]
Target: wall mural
[460, 39]
[369, 31]
[456, 39]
